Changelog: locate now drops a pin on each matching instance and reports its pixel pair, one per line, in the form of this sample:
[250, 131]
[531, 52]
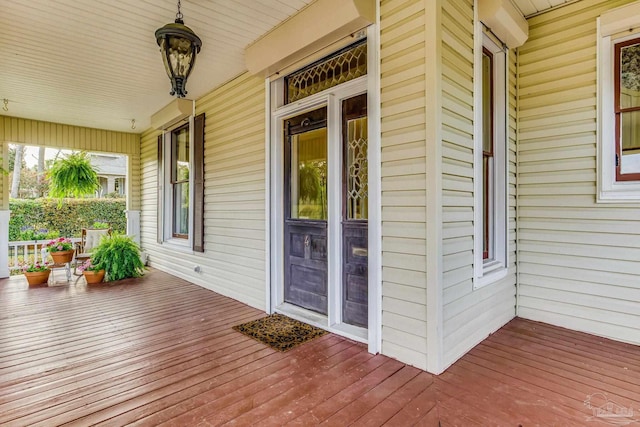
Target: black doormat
[280, 332]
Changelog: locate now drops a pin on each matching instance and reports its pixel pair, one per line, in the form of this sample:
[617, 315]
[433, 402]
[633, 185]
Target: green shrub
[119, 256]
[68, 220]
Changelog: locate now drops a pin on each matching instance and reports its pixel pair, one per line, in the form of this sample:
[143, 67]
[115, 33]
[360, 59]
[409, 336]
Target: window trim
[493, 268]
[609, 188]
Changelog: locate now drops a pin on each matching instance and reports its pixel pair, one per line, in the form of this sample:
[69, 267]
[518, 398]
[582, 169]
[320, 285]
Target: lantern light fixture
[179, 46]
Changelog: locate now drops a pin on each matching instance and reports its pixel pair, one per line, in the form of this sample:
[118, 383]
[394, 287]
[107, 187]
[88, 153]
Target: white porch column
[4, 243]
[133, 225]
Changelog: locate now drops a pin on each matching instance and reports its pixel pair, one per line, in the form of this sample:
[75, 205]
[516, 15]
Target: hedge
[44, 215]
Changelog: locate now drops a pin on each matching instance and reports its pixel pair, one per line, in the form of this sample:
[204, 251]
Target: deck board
[160, 351]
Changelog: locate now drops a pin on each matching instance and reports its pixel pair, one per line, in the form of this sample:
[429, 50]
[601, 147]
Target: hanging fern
[73, 176]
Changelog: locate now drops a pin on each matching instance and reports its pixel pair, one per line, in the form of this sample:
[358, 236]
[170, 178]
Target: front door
[310, 142]
[305, 205]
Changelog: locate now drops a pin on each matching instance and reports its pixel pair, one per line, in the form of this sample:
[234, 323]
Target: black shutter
[160, 208]
[198, 183]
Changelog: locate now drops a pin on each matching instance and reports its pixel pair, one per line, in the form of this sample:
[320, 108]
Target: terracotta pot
[93, 277]
[37, 277]
[62, 257]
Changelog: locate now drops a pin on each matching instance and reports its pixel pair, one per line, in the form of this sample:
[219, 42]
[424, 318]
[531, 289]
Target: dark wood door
[305, 228]
[355, 284]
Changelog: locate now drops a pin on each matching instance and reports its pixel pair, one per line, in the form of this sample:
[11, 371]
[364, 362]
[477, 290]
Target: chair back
[91, 237]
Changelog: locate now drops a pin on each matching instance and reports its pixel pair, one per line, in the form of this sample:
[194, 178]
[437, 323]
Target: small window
[490, 162]
[345, 65]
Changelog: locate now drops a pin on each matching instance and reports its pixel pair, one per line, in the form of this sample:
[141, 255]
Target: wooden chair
[89, 239]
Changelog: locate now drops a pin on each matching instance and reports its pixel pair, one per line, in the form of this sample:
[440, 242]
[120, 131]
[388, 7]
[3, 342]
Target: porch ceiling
[96, 64]
[532, 7]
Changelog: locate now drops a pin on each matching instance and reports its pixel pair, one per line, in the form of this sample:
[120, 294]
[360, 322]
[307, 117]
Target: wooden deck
[160, 350]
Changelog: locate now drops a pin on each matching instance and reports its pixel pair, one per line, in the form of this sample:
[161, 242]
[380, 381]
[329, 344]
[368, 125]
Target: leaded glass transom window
[343, 66]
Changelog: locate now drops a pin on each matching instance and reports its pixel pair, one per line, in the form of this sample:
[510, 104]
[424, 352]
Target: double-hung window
[490, 162]
[181, 185]
[619, 104]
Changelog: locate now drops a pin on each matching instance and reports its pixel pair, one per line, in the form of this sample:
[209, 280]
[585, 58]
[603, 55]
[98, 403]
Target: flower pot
[93, 277]
[62, 257]
[37, 277]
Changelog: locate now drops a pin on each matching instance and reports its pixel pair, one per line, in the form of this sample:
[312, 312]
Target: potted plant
[61, 250]
[37, 273]
[119, 255]
[92, 273]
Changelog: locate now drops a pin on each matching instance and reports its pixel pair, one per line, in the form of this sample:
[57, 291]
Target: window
[181, 180]
[619, 105]
[490, 162]
[120, 186]
[627, 109]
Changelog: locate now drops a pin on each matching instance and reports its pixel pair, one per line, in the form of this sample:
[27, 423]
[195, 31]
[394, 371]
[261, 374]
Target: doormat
[280, 332]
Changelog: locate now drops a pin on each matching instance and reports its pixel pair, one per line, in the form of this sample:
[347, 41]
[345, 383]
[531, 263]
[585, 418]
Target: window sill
[492, 272]
[181, 245]
[620, 192]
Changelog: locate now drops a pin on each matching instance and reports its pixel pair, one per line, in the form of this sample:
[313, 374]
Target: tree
[40, 170]
[17, 169]
[72, 176]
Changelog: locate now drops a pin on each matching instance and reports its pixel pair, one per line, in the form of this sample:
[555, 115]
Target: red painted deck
[160, 350]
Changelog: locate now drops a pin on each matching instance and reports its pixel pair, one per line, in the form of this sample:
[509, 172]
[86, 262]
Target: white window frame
[494, 269]
[179, 243]
[609, 190]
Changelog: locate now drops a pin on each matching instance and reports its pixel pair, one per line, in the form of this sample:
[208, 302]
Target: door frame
[275, 197]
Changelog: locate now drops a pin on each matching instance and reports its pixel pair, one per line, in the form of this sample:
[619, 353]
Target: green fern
[119, 256]
[73, 176]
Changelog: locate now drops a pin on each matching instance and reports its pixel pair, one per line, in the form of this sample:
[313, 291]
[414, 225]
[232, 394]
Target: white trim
[495, 269]
[267, 195]
[375, 186]
[433, 115]
[4, 241]
[608, 189]
[133, 224]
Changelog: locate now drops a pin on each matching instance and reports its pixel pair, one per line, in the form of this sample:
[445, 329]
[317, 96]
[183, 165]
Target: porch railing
[28, 250]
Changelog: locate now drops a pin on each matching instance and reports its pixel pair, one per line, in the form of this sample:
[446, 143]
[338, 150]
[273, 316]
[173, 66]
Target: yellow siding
[32, 132]
[233, 263]
[403, 115]
[578, 260]
[469, 315]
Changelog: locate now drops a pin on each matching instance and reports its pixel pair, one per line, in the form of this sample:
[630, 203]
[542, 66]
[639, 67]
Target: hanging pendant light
[179, 46]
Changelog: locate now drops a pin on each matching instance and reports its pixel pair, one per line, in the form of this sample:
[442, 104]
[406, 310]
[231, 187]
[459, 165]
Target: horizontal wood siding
[233, 263]
[403, 115]
[579, 261]
[15, 130]
[469, 315]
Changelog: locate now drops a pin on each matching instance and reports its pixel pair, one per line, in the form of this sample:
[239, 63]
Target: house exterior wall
[403, 156]
[233, 263]
[32, 132]
[578, 259]
[469, 315]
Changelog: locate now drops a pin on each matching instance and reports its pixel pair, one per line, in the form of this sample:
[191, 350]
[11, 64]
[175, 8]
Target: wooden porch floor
[159, 350]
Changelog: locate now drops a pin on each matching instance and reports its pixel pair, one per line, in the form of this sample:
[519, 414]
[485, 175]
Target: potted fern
[119, 256]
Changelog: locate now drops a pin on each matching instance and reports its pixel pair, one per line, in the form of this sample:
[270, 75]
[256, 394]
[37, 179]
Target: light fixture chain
[179, 14]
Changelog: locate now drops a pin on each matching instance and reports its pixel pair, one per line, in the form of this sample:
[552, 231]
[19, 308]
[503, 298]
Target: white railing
[28, 250]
